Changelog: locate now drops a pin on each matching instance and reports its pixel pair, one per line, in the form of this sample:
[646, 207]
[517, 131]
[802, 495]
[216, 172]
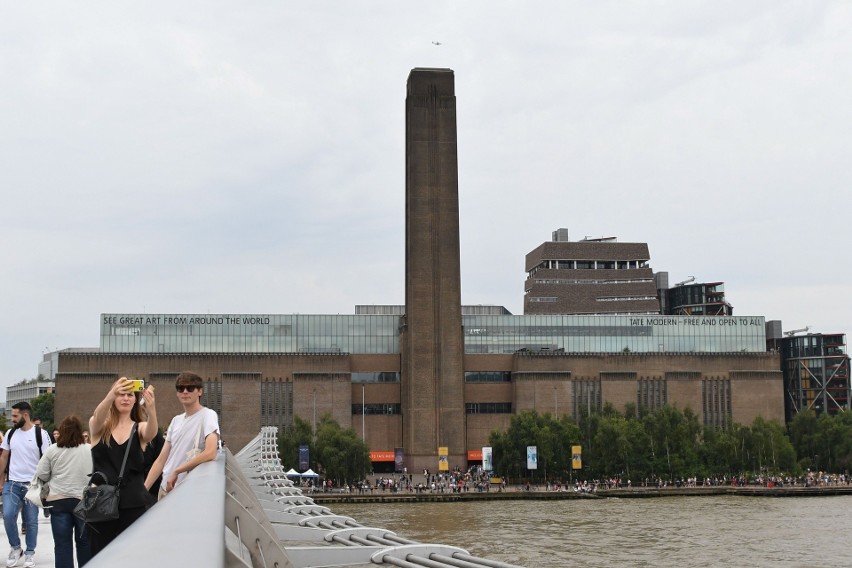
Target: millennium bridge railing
[242, 511]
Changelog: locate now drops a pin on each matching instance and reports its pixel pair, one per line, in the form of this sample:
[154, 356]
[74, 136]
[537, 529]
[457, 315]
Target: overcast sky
[221, 157]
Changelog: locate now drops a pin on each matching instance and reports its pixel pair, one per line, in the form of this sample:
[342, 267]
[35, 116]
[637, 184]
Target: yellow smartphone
[138, 385]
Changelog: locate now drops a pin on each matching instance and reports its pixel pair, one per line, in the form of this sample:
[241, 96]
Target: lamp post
[315, 412]
[363, 414]
[555, 403]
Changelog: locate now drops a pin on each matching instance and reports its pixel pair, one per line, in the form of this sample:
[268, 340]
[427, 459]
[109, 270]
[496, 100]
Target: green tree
[43, 408]
[675, 438]
[842, 451]
[804, 436]
[299, 434]
[772, 449]
[553, 439]
[341, 454]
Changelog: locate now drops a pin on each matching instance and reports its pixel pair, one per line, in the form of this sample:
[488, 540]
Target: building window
[488, 408]
[377, 408]
[587, 396]
[716, 402]
[380, 377]
[211, 396]
[488, 376]
[543, 299]
[651, 393]
[276, 404]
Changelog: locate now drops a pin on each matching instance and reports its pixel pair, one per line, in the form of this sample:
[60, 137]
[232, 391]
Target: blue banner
[304, 457]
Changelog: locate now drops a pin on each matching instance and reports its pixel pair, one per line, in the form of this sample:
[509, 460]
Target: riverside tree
[338, 453]
[667, 443]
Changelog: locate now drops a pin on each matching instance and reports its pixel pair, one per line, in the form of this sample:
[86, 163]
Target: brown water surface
[671, 531]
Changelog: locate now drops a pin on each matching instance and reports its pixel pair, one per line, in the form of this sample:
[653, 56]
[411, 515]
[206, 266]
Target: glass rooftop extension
[375, 334]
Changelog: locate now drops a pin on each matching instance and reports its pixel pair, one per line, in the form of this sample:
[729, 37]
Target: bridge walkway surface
[242, 511]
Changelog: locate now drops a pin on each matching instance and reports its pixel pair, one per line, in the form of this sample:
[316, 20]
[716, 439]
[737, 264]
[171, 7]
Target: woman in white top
[65, 467]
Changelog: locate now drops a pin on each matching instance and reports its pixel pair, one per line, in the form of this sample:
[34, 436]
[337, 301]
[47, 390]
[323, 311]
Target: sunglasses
[186, 388]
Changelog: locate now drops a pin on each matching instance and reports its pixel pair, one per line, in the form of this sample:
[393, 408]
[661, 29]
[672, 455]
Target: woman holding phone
[111, 426]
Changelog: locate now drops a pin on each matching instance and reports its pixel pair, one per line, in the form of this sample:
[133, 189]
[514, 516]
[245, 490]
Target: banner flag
[487, 459]
[576, 457]
[304, 457]
[532, 457]
[443, 461]
[398, 460]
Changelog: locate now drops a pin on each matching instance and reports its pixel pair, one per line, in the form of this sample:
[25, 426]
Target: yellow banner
[443, 462]
[576, 457]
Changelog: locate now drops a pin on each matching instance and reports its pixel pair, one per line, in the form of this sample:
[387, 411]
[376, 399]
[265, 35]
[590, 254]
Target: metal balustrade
[241, 510]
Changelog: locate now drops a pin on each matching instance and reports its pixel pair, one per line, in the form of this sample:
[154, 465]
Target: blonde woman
[110, 428]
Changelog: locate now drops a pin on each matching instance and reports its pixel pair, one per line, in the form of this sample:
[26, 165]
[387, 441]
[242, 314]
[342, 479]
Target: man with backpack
[22, 449]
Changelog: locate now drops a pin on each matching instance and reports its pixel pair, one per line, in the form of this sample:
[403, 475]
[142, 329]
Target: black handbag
[99, 503]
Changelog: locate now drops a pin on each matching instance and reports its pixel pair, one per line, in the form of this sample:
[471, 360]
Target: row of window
[624, 298]
[716, 401]
[483, 333]
[381, 377]
[591, 264]
[488, 408]
[592, 281]
[380, 408]
[488, 376]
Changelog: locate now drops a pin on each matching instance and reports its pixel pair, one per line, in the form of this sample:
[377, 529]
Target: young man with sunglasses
[192, 437]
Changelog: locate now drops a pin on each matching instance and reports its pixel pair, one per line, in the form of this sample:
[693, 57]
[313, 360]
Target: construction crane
[687, 281]
[793, 332]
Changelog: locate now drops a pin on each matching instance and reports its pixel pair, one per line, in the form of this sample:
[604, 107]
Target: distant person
[23, 446]
[192, 437]
[65, 468]
[110, 426]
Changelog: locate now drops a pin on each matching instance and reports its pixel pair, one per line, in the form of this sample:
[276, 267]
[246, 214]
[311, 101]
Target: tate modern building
[432, 373]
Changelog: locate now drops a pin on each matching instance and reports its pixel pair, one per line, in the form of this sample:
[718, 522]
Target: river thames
[668, 531]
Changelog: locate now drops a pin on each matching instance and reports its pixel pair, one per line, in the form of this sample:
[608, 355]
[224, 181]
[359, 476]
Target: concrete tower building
[432, 345]
[591, 276]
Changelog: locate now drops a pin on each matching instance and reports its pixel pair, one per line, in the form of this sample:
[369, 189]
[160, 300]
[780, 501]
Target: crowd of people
[123, 443]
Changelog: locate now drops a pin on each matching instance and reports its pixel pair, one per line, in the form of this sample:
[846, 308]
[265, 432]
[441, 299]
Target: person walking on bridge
[22, 448]
[192, 437]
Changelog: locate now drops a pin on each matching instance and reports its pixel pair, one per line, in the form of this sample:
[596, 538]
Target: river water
[669, 531]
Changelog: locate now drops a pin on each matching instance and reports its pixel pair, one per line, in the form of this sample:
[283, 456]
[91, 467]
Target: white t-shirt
[24, 457]
[186, 433]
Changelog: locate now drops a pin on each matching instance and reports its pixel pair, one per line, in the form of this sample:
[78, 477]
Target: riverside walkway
[241, 511]
[517, 493]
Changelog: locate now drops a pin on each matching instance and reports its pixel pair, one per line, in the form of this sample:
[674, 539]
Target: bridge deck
[44, 547]
[242, 511]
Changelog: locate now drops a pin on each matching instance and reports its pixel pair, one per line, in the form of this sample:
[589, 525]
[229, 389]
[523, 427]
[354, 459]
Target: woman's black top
[107, 460]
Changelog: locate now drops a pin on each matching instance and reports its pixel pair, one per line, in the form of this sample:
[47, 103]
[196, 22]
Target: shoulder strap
[9, 435]
[126, 452]
[38, 439]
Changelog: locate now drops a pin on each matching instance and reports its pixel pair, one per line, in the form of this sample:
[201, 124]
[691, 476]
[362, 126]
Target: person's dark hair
[188, 378]
[70, 432]
[23, 406]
